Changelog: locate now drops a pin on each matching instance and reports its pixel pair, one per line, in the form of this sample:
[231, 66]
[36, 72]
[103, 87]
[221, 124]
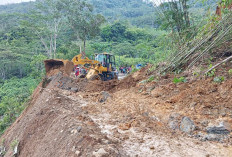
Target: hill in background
[136, 12]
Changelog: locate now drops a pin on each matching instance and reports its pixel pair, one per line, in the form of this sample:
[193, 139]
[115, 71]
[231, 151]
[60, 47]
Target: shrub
[179, 80]
[219, 79]
[230, 72]
[151, 78]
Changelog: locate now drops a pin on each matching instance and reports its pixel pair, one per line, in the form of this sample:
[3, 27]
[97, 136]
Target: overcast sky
[13, 1]
[19, 1]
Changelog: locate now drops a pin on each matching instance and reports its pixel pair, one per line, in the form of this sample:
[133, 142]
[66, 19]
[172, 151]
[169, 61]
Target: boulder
[73, 89]
[222, 128]
[100, 153]
[187, 125]
[214, 137]
[211, 137]
[174, 125]
[173, 122]
[104, 96]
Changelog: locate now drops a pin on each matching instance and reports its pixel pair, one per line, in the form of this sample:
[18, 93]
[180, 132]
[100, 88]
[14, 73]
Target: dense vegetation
[133, 30]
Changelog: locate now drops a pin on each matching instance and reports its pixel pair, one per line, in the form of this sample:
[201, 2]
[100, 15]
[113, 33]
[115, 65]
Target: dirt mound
[84, 85]
[81, 84]
[133, 79]
[114, 85]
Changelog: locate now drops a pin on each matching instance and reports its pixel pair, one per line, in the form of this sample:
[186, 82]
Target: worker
[121, 69]
[129, 69]
[77, 71]
[124, 70]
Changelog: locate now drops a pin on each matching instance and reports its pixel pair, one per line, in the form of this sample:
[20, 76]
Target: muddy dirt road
[140, 135]
[121, 76]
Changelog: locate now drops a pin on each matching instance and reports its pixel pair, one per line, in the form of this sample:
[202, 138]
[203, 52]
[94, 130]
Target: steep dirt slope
[56, 125]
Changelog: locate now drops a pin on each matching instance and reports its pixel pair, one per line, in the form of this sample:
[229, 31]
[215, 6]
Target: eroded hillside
[131, 117]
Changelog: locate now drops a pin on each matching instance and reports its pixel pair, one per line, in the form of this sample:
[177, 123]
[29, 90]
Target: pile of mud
[79, 85]
[54, 123]
[61, 80]
[185, 119]
[133, 79]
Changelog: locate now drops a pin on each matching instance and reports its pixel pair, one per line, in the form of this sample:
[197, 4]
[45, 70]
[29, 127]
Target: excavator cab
[105, 69]
[107, 61]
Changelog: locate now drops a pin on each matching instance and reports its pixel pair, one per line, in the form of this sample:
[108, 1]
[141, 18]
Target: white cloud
[2, 2]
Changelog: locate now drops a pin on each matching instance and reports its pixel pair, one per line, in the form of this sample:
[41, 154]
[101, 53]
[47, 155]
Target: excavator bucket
[92, 73]
[54, 66]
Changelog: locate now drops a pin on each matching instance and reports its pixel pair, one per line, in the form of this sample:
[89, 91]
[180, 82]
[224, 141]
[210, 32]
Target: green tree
[81, 18]
[46, 22]
[175, 15]
[115, 32]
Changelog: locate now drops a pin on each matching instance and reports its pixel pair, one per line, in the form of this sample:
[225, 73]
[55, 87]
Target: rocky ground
[131, 117]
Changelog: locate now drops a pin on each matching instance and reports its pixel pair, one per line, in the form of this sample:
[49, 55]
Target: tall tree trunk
[51, 51]
[84, 45]
[44, 44]
[54, 47]
[186, 14]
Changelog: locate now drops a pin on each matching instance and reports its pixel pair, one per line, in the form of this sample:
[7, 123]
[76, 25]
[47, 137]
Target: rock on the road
[173, 122]
[222, 128]
[104, 96]
[187, 125]
[100, 153]
[74, 89]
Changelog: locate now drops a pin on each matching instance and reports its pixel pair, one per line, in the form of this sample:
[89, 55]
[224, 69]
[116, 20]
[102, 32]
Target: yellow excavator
[105, 69]
[52, 66]
[101, 67]
[81, 59]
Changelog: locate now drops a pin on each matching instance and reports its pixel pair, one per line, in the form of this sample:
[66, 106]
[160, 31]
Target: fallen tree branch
[225, 60]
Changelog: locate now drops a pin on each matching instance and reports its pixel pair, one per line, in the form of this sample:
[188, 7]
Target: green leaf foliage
[14, 93]
[218, 79]
[179, 80]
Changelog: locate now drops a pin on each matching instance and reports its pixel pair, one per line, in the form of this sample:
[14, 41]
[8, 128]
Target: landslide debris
[135, 116]
[55, 125]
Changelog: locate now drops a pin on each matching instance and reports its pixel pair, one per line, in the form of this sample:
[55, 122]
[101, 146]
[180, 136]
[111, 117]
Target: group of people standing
[82, 70]
[79, 70]
[125, 70]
